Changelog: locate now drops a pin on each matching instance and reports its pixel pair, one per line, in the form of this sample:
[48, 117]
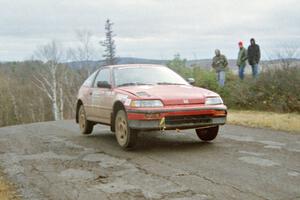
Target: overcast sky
[150, 28]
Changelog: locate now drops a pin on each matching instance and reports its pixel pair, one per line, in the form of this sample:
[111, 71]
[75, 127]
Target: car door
[86, 93]
[102, 96]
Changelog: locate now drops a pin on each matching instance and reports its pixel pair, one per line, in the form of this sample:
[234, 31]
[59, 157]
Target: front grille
[187, 119]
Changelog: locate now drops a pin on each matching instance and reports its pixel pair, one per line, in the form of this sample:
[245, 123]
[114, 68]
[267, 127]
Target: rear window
[89, 81]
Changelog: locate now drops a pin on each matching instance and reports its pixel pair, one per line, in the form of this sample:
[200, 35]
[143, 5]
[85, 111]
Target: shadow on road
[153, 141]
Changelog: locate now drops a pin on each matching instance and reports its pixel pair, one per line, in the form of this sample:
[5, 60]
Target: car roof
[134, 65]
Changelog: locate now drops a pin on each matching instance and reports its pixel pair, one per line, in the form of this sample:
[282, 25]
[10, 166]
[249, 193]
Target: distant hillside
[203, 63]
[128, 60]
[121, 60]
[206, 63]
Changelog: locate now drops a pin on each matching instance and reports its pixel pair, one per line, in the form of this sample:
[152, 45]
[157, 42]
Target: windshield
[146, 75]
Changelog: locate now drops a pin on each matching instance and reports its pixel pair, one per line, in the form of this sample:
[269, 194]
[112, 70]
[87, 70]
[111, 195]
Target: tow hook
[162, 124]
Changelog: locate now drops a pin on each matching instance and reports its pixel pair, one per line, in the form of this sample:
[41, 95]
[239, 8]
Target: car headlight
[146, 103]
[213, 101]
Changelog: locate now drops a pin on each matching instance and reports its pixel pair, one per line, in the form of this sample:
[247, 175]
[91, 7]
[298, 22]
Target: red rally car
[139, 97]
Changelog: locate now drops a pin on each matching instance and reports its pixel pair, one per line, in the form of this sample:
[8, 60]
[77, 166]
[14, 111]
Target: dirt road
[52, 161]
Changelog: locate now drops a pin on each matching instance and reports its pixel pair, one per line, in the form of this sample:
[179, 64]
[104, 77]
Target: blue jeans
[241, 72]
[254, 70]
[221, 78]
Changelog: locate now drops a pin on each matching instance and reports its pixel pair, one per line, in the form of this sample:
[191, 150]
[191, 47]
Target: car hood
[170, 94]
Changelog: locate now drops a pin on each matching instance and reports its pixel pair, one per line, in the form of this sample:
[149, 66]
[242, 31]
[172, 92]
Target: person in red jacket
[241, 61]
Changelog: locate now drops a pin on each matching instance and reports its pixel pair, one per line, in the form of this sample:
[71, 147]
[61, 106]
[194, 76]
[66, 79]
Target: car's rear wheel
[86, 126]
[208, 134]
[126, 137]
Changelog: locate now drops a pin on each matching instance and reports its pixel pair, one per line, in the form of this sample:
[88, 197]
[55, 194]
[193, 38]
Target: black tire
[208, 134]
[126, 137]
[86, 126]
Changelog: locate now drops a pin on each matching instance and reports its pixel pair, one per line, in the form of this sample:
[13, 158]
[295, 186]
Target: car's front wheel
[208, 134]
[86, 126]
[126, 137]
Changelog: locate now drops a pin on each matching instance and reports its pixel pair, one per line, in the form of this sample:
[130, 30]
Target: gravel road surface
[52, 160]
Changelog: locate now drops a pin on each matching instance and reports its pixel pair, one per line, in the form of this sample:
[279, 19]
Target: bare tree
[8, 108]
[13, 100]
[47, 78]
[288, 55]
[85, 49]
[84, 52]
[284, 57]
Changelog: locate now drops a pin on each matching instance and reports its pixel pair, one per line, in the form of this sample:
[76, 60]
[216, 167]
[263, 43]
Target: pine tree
[109, 44]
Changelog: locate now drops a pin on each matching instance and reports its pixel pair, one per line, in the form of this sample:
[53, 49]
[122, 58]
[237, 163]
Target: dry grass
[285, 122]
[7, 191]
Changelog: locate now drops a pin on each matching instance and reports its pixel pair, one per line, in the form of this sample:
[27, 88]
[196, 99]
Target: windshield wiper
[167, 83]
[131, 84]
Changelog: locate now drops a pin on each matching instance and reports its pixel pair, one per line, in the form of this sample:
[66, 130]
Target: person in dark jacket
[254, 57]
[241, 61]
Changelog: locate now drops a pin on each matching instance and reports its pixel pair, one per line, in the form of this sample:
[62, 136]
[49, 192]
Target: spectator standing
[254, 57]
[241, 61]
[220, 64]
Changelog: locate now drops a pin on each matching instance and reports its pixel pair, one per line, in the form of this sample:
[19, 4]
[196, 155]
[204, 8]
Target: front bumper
[179, 118]
[156, 125]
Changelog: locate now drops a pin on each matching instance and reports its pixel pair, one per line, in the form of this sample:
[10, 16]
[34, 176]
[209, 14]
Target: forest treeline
[22, 95]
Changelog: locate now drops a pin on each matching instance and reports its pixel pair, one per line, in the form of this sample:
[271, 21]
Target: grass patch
[7, 190]
[277, 121]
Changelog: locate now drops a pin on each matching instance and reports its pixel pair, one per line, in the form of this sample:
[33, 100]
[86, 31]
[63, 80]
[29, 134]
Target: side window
[103, 75]
[89, 81]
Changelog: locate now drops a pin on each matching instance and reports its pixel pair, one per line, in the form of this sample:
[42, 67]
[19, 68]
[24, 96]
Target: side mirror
[103, 84]
[191, 81]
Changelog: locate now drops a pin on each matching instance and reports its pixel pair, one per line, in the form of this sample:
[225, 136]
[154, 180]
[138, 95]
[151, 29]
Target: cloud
[149, 28]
